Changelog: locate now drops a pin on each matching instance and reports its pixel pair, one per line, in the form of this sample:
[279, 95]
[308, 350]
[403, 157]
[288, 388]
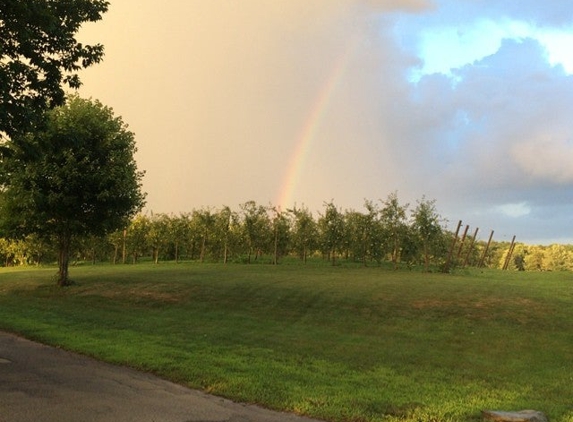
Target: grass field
[338, 343]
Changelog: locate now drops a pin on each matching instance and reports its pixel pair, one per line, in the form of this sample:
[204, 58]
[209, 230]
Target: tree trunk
[64, 260]
[276, 247]
[395, 254]
[123, 251]
[115, 251]
[203, 245]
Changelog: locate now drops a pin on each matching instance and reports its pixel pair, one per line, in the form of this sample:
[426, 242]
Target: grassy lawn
[343, 344]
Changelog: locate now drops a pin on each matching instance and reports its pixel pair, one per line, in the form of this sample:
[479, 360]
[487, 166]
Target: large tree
[76, 177]
[39, 54]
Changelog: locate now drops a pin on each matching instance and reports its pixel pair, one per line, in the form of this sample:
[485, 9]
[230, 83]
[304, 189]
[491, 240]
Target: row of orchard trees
[384, 231]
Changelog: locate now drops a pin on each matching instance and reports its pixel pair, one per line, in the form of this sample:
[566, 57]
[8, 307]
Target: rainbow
[312, 124]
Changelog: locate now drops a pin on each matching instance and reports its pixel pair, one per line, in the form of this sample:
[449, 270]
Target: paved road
[41, 383]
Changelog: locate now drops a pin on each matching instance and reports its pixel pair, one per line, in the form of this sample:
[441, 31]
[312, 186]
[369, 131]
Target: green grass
[343, 343]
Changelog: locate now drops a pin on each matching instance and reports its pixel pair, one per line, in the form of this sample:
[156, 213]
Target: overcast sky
[300, 102]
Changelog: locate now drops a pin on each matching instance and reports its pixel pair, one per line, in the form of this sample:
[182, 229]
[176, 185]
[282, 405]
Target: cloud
[546, 159]
[515, 210]
[556, 13]
[499, 139]
[491, 122]
[219, 94]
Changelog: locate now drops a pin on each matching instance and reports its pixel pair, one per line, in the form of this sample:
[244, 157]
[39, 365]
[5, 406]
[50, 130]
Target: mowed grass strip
[338, 343]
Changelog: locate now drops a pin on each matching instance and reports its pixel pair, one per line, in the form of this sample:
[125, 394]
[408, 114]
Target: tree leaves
[39, 53]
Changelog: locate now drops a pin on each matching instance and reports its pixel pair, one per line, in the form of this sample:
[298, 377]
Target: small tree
[281, 225]
[304, 232]
[394, 219]
[223, 227]
[426, 223]
[178, 228]
[205, 219]
[158, 234]
[76, 177]
[331, 230]
[137, 236]
[256, 228]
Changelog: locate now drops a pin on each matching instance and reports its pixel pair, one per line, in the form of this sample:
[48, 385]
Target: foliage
[280, 225]
[331, 231]
[75, 178]
[394, 219]
[304, 232]
[271, 235]
[158, 234]
[38, 54]
[428, 228]
[541, 258]
[256, 228]
[137, 237]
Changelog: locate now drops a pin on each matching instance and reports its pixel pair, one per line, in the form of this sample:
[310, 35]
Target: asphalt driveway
[41, 383]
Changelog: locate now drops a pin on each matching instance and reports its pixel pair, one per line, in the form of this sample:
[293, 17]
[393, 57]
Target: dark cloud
[500, 134]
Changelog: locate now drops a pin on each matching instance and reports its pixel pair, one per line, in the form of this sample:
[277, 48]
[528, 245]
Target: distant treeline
[384, 232]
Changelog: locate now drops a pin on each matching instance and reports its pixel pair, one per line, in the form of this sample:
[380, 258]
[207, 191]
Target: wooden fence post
[482, 261]
[447, 264]
[466, 260]
[463, 239]
[509, 253]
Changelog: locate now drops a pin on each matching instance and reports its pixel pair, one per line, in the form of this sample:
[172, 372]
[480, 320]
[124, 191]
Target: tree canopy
[76, 177]
[39, 54]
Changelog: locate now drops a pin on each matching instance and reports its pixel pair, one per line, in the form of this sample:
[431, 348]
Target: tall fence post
[447, 264]
[509, 253]
[482, 261]
[466, 260]
[463, 239]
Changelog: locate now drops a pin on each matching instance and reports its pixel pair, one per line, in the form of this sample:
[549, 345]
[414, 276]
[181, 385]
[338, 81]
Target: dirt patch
[522, 310]
[137, 294]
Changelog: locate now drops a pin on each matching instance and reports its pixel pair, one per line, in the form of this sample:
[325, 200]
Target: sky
[301, 102]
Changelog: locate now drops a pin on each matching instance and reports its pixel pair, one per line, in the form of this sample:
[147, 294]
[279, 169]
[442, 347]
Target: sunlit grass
[343, 343]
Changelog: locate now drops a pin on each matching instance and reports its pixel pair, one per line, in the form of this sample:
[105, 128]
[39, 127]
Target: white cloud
[558, 44]
[444, 48]
[516, 210]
